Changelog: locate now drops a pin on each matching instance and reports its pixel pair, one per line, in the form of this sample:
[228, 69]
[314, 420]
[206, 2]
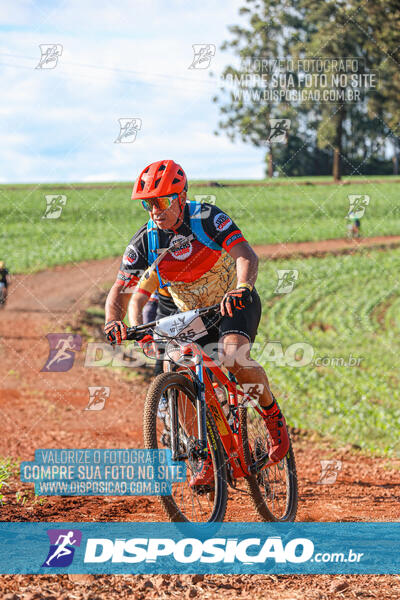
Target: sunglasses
[161, 203]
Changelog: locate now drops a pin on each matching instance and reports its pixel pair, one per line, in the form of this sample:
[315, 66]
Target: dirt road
[46, 410]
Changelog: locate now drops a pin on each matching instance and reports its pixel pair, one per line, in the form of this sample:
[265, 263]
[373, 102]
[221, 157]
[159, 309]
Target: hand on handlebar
[115, 332]
[145, 340]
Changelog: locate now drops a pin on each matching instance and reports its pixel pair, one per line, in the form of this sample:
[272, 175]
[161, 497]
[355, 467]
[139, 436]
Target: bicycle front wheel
[273, 490]
[187, 502]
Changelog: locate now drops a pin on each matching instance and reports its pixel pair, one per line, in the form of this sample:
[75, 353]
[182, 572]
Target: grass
[98, 223]
[346, 310]
[8, 469]
[342, 307]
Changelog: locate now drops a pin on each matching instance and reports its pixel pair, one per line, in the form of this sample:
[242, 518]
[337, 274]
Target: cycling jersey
[197, 275]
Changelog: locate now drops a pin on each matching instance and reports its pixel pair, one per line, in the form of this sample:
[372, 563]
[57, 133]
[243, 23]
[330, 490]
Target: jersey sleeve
[220, 228]
[148, 283]
[134, 261]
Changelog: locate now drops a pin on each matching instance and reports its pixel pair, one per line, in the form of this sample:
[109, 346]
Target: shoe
[205, 477]
[278, 432]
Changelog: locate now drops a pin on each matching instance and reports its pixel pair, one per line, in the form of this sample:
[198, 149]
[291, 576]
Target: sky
[119, 60]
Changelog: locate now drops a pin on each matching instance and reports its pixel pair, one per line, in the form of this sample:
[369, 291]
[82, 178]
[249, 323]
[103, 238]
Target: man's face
[166, 219]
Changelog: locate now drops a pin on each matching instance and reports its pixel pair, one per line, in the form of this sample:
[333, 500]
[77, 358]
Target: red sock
[272, 409]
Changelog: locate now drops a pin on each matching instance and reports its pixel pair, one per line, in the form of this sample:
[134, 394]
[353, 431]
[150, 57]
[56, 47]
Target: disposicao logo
[190, 550]
[62, 547]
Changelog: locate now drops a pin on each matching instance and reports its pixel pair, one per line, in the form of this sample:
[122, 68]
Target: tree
[382, 27]
[311, 29]
[247, 110]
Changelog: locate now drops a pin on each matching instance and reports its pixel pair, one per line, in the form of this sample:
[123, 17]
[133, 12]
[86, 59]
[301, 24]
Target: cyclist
[353, 227]
[204, 258]
[4, 282]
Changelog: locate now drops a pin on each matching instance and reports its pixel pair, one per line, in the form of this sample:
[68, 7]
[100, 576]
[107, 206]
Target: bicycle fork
[174, 427]
[201, 448]
[201, 409]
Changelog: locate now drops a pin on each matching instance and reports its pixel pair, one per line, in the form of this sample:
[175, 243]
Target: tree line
[348, 122]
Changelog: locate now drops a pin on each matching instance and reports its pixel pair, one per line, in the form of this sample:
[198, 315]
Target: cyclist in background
[202, 256]
[4, 282]
[150, 309]
[353, 227]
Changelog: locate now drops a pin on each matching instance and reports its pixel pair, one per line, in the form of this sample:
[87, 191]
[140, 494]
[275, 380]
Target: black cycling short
[243, 322]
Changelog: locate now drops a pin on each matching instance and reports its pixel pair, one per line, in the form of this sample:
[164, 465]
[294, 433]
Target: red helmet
[160, 179]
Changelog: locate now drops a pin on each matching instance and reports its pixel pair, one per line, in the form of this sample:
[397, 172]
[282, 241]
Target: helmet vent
[141, 184]
[176, 180]
[162, 168]
[180, 172]
[157, 181]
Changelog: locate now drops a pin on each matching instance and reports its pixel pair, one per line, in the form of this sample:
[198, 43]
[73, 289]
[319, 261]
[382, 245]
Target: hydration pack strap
[197, 213]
[154, 256]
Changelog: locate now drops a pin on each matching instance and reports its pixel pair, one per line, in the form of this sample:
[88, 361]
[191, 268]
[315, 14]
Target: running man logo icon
[97, 397]
[205, 200]
[54, 206]
[357, 205]
[329, 471]
[62, 351]
[50, 54]
[62, 547]
[252, 393]
[128, 129]
[286, 280]
[279, 130]
[202, 55]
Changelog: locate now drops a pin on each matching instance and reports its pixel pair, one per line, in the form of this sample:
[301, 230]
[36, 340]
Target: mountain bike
[184, 412]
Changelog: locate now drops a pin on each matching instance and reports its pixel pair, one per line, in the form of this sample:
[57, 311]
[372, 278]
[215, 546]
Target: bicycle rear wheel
[201, 503]
[273, 490]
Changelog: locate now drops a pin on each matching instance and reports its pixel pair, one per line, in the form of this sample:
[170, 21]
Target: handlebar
[131, 331]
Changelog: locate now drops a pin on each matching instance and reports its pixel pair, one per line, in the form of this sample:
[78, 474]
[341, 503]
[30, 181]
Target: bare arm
[246, 263]
[116, 303]
[135, 308]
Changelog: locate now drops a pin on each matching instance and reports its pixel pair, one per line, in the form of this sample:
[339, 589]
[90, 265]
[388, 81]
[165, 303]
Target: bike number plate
[187, 326]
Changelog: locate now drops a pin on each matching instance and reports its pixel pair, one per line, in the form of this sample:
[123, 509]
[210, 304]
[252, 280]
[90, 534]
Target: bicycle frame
[207, 398]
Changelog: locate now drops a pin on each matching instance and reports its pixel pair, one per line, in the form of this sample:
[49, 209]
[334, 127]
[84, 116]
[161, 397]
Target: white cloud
[128, 59]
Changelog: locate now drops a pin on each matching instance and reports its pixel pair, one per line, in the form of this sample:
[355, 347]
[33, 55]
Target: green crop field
[346, 310]
[98, 222]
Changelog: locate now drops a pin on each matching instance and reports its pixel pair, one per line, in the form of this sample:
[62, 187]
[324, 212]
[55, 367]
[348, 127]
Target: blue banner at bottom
[250, 548]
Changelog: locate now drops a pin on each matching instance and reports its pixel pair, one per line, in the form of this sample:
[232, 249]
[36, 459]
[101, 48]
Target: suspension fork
[201, 408]
[174, 421]
[173, 415]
